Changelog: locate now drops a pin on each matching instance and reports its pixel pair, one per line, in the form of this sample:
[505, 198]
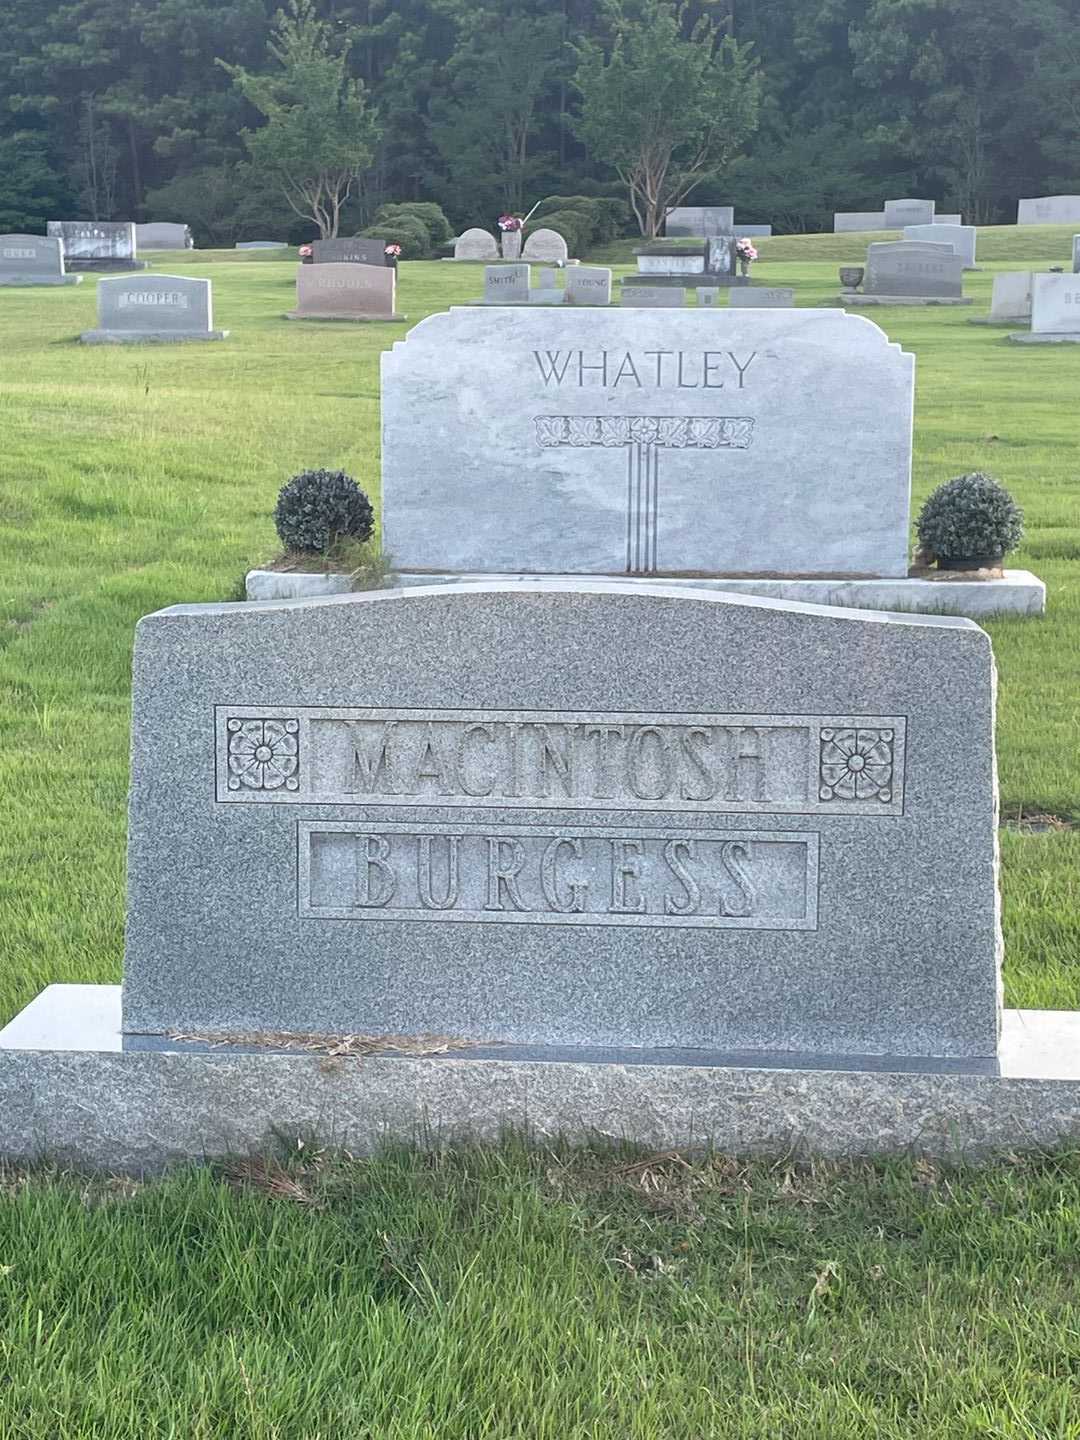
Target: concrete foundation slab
[70, 1094]
[294, 584]
[147, 337]
[860, 300]
[1016, 592]
[1042, 337]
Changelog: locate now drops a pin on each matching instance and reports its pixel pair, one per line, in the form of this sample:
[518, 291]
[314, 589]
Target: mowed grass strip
[137, 477]
[543, 1294]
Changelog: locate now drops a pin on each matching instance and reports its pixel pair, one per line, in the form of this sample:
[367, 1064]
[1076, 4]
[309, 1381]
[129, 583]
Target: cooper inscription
[582, 876]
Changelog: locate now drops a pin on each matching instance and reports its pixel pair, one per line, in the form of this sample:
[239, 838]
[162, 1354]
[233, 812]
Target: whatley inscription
[527, 874]
[528, 759]
[656, 369]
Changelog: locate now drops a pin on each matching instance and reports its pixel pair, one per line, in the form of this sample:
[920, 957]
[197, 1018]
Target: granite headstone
[914, 268]
[163, 235]
[960, 237]
[899, 213]
[603, 817]
[654, 296]
[545, 244]
[349, 249]
[759, 296]
[506, 284]
[476, 244]
[1076, 254]
[345, 290]
[139, 308]
[588, 285]
[779, 443]
[848, 221]
[1011, 298]
[1049, 210]
[700, 220]
[262, 245]
[97, 244]
[1055, 304]
[33, 260]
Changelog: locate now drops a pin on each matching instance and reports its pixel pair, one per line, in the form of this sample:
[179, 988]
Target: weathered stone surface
[782, 446]
[163, 235]
[941, 219]
[1011, 297]
[961, 237]
[349, 249]
[1055, 304]
[33, 260]
[761, 296]
[913, 267]
[476, 244]
[846, 221]
[294, 584]
[1048, 210]
[701, 220]
[506, 284]
[345, 290]
[67, 1094]
[683, 263]
[588, 285]
[545, 244]
[262, 245]
[898, 213]
[770, 828]
[134, 308]
[96, 244]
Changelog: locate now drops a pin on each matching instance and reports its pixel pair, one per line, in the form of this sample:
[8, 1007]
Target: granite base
[1016, 592]
[16, 282]
[147, 337]
[70, 1094]
[851, 298]
[350, 319]
[1032, 337]
[294, 584]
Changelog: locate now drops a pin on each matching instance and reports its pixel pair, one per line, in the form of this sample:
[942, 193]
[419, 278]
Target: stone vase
[511, 244]
[744, 267]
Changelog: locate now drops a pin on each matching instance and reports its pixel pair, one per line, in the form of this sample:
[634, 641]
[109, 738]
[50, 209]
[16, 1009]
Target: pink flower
[394, 250]
[745, 250]
[304, 251]
[510, 222]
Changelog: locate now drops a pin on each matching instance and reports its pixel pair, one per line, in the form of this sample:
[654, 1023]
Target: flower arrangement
[392, 251]
[510, 222]
[745, 250]
[305, 252]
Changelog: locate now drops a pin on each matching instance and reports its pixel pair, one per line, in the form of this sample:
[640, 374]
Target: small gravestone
[1049, 210]
[721, 257]
[544, 244]
[940, 219]
[707, 295]
[97, 244]
[345, 290]
[913, 271]
[671, 261]
[754, 232]
[1055, 310]
[602, 817]
[653, 296]
[960, 237]
[848, 221]
[137, 309]
[700, 220]
[777, 442]
[262, 245]
[33, 260]
[899, 213]
[588, 285]
[759, 296]
[506, 284]
[349, 250]
[1076, 255]
[163, 235]
[1011, 299]
[476, 244]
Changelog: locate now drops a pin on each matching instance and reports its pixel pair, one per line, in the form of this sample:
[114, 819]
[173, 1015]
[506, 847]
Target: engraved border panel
[854, 763]
[809, 839]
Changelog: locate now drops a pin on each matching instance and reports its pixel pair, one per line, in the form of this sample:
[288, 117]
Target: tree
[31, 191]
[320, 133]
[667, 105]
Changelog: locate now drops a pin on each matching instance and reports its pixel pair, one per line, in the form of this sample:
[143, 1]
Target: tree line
[294, 117]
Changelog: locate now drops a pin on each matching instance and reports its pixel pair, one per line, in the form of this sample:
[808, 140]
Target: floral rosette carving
[856, 764]
[263, 754]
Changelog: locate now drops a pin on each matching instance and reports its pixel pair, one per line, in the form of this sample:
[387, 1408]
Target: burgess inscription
[567, 760]
[582, 876]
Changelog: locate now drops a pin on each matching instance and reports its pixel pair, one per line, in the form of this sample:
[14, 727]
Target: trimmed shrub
[427, 212]
[408, 231]
[607, 218]
[970, 517]
[318, 509]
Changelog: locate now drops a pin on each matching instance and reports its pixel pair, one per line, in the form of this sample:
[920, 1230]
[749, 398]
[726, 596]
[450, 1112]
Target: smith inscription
[791, 764]
[583, 876]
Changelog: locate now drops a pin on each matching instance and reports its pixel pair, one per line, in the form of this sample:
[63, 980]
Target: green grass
[544, 1294]
[547, 1295]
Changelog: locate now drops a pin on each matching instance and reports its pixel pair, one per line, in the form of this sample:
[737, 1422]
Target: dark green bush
[971, 516]
[318, 509]
[607, 217]
[408, 231]
[426, 211]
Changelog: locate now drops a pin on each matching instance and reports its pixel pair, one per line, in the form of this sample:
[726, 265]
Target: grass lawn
[509, 1293]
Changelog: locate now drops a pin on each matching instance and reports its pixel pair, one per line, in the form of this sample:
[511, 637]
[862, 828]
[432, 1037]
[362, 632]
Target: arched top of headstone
[544, 244]
[476, 244]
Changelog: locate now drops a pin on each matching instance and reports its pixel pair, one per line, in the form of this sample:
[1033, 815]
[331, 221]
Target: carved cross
[642, 436]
